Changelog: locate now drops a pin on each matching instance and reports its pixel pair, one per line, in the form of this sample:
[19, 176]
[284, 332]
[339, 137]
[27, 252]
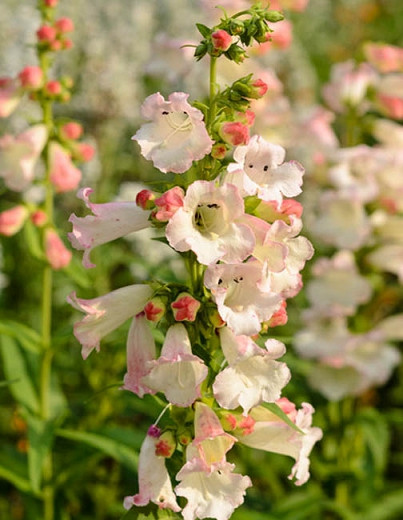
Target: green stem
[213, 92]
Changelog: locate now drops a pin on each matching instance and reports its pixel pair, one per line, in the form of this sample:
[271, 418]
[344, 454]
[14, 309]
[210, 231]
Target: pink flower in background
[109, 221]
[389, 95]
[177, 373]
[176, 135]
[63, 174]
[207, 224]
[56, 252]
[140, 350]
[12, 220]
[10, 96]
[386, 58]
[31, 77]
[259, 169]
[19, 155]
[252, 375]
[106, 313]
[154, 482]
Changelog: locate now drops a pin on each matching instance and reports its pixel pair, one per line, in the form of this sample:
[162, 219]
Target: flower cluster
[234, 221]
[58, 144]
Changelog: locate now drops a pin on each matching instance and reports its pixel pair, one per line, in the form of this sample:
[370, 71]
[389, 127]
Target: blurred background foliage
[357, 467]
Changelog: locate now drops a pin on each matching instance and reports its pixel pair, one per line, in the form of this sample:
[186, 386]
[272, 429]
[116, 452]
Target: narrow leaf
[203, 30]
[278, 412]
[13, 469]
[28, 338]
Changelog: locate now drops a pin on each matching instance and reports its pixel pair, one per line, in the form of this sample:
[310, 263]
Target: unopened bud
[234, 133]
[166, 445]
[185, 307]
[53, 88]
[155, 309]
[219, 151]
[31, 77]
[169, 203]
[64, 25]
[145, 199]
[46, 33]
[71, 130]
[222, 41]
[39, 218]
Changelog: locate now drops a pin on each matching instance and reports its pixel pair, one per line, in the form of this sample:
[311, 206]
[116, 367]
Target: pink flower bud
[221, 40]
[246, 425]
[12, 220]
[279, 317]
[234, 133]
[46, 33]
[31, 77]
[288, 407]
[166, 445]
[260, 88]
[169, 203]
[56, 252]
[85, 152]
[145, 199]
[219, 151]
[67, 43]
[63, 174]
[154, 309]
[39, 218]
[71, 130]
[50, 3]
[246, 118]
[185, 307]
[64, 25]
[53, 88]
[56, 45]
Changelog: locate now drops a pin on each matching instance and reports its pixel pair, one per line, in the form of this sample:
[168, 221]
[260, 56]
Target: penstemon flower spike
[239, 237]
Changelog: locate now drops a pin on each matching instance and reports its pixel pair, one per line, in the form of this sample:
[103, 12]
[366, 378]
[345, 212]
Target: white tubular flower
[106, 313]
[259, 170]
[253, 374]
[207, 224]
[177, 373]
[176, 135]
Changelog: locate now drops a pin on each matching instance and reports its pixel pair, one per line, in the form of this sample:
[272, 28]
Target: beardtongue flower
[12, 220]
[109, 221]
[10, 96]
[106, 313]
[176, 135]
[63, 174]
[19, 155]
[259, 170]
[207, 224]
[253, 375]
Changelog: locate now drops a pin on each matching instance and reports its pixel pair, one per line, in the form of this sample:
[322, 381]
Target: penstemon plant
[226, 206]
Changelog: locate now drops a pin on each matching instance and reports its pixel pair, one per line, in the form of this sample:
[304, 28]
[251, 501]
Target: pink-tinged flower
[260, 88]
[279, 318]
[389, 96]
[388, 133]
[246, 118]
[12, 220]
[46, 33]
[19, 155]
[169, 203]
[106, 313]
[10, 96]
[234, 133]
[259, 170]
[145, 199]
[252, 376]
[56, 252]
[31, 77]
[64, 25]
[140, 350]
[348, 85]
[391, 328]
[185, 307]
[292, 5]
[211, 493]
[207, 224]
[155, 309]
[63, 174]
[222, 41]
[272, 434]
[71, 130]
[236, 289]
[388, 257]
[386, 58]
[154, 482]
[281, 37]
[176, 135]
[177, 373]
[211, 442]
[109, 221]
[326, 291]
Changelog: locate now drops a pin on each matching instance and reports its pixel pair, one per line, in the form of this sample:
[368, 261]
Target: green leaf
[33, 240]
[278, 412]
[28, 338]
[390, 506]
[120, 452]
[78, 274]
[13, 469]
[40, 437]
[16, 367]
[203, 30]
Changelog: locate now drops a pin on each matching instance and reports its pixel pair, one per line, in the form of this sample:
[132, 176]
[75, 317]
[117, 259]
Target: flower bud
[67, 43]
[71, 130]
[56, 45]
[169, 203]
[185, 437]
[185, 307]
[39, 218]
[12, 220]
[50, 3]
[56, 252]
[219, 151]
[46, 33]
[234, 133]
[31, 77]
[222, 41]
[64, 25]
[260, 89]
[84, 152]
[154, 431]
[155, 309]
[53, 88]
[247, 117]
[236, 27]
[166, 445]
[215, 318]
[145, 199]
[273, 16]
